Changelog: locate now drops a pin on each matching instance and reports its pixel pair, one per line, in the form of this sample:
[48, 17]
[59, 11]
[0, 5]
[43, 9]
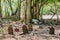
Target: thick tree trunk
[19, 8]
[23, 11]
[35, 10]
[37, 14]
[32, 9]
[28, 10]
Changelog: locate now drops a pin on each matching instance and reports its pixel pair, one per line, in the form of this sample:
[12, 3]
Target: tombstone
[51, 31]
[10, 30]
[30, 28]
[24, 29]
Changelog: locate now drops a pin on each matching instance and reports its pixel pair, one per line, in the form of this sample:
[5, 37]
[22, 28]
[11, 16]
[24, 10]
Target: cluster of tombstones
[27, 30]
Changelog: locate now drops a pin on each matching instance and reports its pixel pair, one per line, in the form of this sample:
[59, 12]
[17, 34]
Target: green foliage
[6, 10]
[46, 9]
[58, 0]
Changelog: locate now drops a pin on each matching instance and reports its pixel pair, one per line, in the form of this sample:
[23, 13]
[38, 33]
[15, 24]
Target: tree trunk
[19, 8]
[35, 9]
[28, 10]
[23, 11]
[32, 9]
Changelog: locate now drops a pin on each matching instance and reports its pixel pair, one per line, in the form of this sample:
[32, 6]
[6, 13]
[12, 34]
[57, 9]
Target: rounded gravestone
[24, 29]
[10, 30]
[51, 31]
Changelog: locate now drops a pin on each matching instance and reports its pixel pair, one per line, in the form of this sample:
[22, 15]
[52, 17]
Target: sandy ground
[32, 37]
[39, 34]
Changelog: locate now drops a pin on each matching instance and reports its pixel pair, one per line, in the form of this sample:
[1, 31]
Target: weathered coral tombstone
[30, 28]
[24, 29]
[52, 31]
[10, 30]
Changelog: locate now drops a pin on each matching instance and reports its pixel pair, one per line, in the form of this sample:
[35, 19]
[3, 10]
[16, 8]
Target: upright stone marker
[10, 30]
[51, 31]
[24, 28]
